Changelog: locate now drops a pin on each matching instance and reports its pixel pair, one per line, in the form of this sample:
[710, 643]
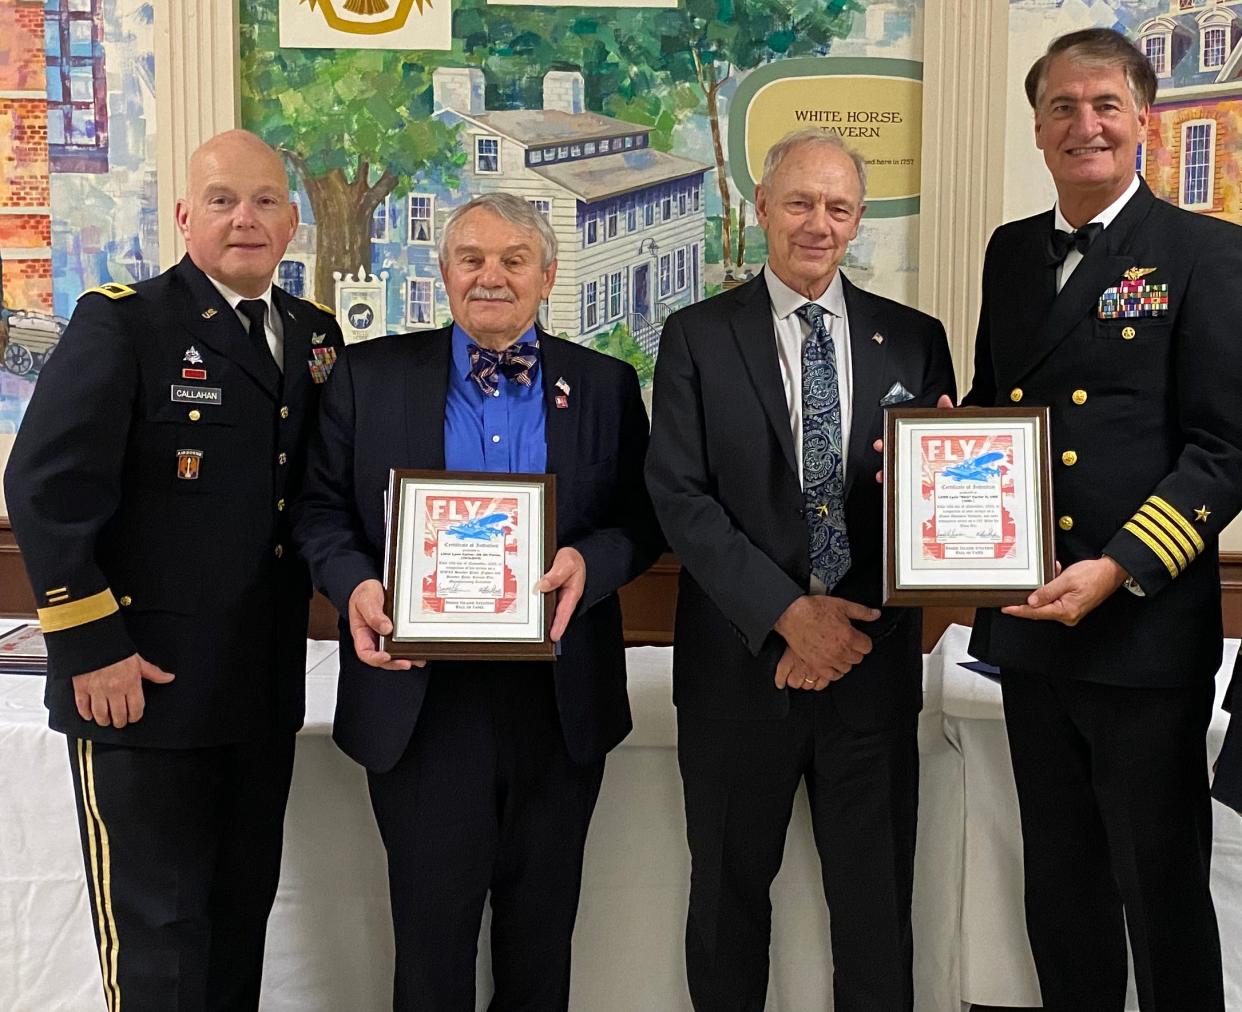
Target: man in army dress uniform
[147, 489]
[1119, 312]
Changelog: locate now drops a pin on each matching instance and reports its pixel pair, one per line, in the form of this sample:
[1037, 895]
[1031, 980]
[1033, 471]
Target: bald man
[147, 490]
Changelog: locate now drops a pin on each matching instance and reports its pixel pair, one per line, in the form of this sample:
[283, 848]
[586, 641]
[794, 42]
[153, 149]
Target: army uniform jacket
[147, 489]
[1139, 359]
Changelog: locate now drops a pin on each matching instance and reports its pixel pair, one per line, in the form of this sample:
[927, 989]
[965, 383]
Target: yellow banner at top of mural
[875, 106]
[366, 24]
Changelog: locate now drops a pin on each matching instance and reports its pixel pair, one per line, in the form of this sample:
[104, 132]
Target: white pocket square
[897, 394]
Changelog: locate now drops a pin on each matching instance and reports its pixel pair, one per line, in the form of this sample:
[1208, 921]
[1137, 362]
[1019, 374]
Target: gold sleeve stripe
[57, 598]
[76, 613]
[1160, 553]
[1168, 544]
[101, 876]
[56, 590]
[1181, 521]
[1169, 530]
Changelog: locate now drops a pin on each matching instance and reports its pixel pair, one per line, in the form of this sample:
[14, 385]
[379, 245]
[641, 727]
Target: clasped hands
[367, 621]
[821, 643]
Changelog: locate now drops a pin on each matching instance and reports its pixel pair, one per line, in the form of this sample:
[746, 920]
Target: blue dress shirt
[504, 433]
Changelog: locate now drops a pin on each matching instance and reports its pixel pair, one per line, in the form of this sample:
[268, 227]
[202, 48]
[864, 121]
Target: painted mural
[1192, 154]
[77, 176]
[614, 122]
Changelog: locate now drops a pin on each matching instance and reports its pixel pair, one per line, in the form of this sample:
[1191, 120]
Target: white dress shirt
[273, 329]
[1105, 218]
[791, 332]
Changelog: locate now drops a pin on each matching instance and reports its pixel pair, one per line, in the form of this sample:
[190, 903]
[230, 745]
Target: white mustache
[490, 294]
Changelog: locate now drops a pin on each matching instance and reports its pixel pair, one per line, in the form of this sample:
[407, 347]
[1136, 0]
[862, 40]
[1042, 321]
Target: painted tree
[353, 125]
[709, 42]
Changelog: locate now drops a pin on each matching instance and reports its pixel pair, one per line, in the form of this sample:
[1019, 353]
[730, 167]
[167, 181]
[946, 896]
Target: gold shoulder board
[112, 290]
[321, 307]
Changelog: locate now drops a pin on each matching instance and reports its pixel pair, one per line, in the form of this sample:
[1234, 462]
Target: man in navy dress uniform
[148, 489]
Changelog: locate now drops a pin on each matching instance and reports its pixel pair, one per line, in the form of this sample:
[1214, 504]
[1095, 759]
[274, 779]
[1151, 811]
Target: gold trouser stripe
[1150, 542]
[101, 876]
[1169, 530]
[1182, 522]
[1181, 557]
[75, 613]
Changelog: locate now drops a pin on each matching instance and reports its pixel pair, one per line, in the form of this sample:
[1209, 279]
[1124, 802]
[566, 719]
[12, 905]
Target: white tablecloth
[329, 939]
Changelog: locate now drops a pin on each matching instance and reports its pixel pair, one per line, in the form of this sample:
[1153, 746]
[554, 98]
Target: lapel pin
[315, 338]
[877, 337]
[209, 313]
[562, 401]
[192, 356]
[562, 386]
[290, 315]
[1202, 513]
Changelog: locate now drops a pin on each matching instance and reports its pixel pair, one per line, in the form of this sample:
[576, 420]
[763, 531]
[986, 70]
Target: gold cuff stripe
[1167, 543]
[76, 613]
[57, 590]
[1150, 542]
[57, 598]
[1172, 537]
[101, 876]
[1181, 521]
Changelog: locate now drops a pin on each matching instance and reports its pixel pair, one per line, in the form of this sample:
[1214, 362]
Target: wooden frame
[1037, 471]
[472, 642]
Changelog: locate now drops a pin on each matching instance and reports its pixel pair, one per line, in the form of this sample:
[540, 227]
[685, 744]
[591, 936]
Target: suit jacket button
[1069, 458]
[284, 411]
[1128, 334]
[125, 601]
[1079, 396]
[1066, 523]
[195, 414]
[280, 551]
[280, 505]
[283, 459]
[1015, 394]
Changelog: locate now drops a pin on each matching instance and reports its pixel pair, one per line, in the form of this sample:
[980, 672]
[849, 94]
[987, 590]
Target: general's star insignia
[1202, 513]
[1134, 273]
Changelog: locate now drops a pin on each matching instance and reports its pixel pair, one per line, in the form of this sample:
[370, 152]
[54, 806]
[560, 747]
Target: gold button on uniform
[1069, 458]
[195, 414]
[284, 411]
[1128, 334]
[1066, 523]
[126, 601]
[1015, 394]
[280, 551]
[283, 459]
[1079, 396]
[280, 504]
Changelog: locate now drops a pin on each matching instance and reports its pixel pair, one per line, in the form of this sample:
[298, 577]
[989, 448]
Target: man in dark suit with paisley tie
[148, 489]
[1120, 313]
[484, 775]
[768, 400]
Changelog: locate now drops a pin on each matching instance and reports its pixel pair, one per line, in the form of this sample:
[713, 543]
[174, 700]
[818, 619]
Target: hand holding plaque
[465, 556]
[968, 506]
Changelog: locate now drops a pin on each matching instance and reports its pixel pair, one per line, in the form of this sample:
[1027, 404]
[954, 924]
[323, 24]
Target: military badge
[1134, 297]
[193, 374]
[321, 362]
[318, 338]
[188, 462]
[209, 313]
[192, 356]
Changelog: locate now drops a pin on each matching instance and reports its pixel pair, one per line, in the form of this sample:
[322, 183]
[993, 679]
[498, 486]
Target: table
[329, 939]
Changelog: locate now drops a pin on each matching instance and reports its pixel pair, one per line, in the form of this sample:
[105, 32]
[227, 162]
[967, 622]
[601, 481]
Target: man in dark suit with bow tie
[768, 399]
[483, 776]
[147, 490]
[1125, 326]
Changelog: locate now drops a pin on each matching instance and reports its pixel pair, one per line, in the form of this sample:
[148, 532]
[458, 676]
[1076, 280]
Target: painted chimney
[563, 90]
[459, 89]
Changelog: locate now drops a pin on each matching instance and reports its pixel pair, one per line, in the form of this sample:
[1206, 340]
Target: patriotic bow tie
[518, 362]
[1060, 243]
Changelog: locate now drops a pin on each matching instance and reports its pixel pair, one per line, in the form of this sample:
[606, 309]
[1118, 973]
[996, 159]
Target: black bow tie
[1060, 243]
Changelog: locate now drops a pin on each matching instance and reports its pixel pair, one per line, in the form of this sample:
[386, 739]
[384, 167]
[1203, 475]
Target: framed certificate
[967, 505]
[464, 552]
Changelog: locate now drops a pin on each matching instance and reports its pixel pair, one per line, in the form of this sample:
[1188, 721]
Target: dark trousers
[739, 778]
[486, 797]
[182, 850]
[1116, 835]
